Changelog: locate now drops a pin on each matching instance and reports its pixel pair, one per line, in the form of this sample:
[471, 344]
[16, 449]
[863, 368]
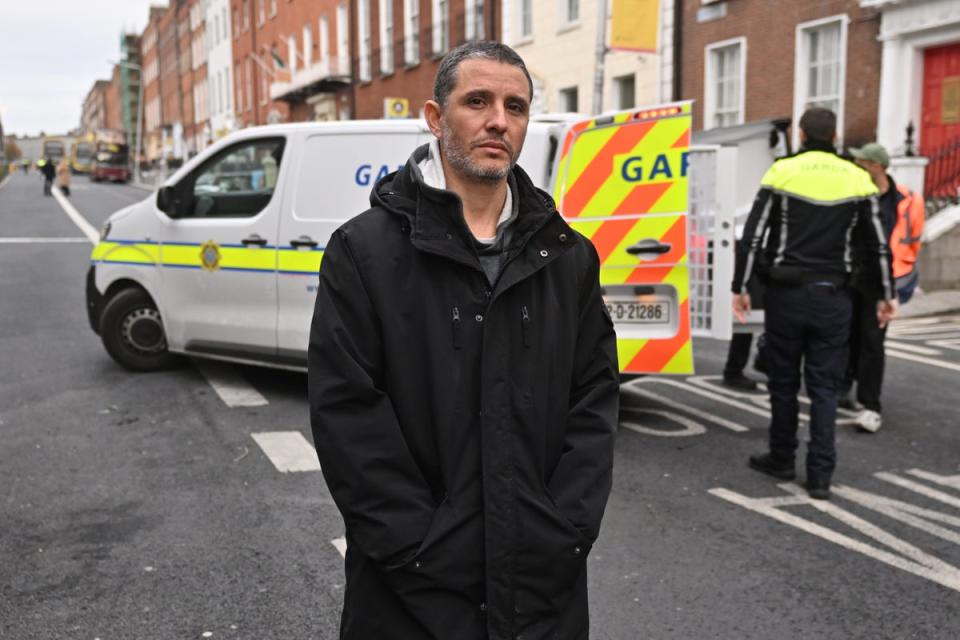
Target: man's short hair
[819, 124]
[476, 50]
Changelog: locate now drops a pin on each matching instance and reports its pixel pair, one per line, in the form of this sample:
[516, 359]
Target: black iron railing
[942, 177]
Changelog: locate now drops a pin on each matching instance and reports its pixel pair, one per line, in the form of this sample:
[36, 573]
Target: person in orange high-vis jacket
[901, 212]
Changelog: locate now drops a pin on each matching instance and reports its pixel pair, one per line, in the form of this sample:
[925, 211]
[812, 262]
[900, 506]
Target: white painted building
[558, 39]
[220, 102]
[920, 75]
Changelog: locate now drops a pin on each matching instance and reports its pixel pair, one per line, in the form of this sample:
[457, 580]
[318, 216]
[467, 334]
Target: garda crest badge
[210, 255]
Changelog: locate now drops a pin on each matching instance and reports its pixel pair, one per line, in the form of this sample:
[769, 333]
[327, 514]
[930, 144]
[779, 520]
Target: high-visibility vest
[905, 239]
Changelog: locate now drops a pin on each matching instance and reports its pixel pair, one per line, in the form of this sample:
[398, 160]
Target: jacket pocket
[551, 558]
[449, 557]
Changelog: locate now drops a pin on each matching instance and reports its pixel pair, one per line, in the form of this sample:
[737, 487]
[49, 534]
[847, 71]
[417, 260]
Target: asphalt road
[157, 506]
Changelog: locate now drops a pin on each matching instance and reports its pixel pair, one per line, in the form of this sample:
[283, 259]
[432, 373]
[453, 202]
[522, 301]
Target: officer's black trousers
[806, 325]
[866, 352]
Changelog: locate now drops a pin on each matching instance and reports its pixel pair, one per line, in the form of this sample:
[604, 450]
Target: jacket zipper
[525, 324]
[456, 328]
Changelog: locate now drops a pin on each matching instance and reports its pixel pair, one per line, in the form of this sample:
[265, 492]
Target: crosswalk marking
[930, 361]
[230, 385]
[289, 451]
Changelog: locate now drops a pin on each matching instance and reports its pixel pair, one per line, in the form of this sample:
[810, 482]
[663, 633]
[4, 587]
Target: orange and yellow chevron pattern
[622, 180]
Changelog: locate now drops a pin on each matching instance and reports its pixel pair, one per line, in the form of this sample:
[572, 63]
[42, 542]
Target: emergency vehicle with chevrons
[221, 262]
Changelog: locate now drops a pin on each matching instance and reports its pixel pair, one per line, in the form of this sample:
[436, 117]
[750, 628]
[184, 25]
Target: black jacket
[820, 216]
[465, 431]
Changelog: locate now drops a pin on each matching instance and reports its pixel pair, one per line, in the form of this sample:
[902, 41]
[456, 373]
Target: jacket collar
[437, 225]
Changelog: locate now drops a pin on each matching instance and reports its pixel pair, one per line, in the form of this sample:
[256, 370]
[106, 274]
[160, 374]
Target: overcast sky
[51, 51]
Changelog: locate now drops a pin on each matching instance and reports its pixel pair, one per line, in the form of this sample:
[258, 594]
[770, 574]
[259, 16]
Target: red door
[941, 98]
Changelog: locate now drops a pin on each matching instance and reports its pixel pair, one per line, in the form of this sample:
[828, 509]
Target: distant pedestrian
[463, 383]
[63, 177]
[49, 172]
[811, 203]
[901, 212]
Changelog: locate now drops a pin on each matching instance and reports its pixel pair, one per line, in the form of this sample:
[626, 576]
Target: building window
[411, 40]
[292, 53]
[569, 12]
[526, 18]
[261, 12]
[236, 23]
[363, 35]
[264, 85]
[569, 100]
[473, 29]
[441, 27]
[625, 91]
[343, 40]
[821, 59]
[238, 83]
[725, 83]
[226, 25]
[325, 40]
[386, 36]
[307, 46]
[249, 100]
[246, 16]
[273, 8]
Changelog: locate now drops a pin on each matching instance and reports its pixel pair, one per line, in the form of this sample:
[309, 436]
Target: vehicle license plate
[635, 311]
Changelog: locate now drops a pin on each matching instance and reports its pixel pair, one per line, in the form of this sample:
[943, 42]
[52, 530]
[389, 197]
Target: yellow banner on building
[635, 25]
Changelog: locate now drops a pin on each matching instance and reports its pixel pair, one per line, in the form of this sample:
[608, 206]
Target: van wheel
[132, 332]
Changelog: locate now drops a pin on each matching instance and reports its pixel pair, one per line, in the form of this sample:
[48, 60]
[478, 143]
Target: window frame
[364, 42]
[802, 68]
[710, 80]
[564, 21]
[386, 36]
[411, 32]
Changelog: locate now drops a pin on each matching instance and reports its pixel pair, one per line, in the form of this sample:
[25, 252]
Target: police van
[222, 261]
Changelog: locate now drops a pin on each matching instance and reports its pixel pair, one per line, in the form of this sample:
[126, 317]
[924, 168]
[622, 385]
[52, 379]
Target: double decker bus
[82, 156]
[111, 162]
[53, 149]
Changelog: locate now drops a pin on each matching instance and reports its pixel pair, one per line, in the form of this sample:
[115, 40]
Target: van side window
[236, 183]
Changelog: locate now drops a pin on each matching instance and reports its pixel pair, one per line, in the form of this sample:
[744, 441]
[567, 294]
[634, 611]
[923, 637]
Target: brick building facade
[397, 52]
[153, 105]
[748, 60]
[94, 114]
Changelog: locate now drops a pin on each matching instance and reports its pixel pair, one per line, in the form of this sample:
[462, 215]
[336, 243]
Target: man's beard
[459, 158]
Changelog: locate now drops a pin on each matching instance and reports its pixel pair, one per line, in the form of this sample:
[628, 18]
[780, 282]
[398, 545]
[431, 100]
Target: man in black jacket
[818, 212]
[464, 383]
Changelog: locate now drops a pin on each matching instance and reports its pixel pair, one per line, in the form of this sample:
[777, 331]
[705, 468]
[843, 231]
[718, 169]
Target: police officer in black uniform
[822, 214]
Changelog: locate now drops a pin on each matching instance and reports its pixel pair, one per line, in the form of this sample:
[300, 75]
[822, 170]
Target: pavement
[166, 505]
[929, 303]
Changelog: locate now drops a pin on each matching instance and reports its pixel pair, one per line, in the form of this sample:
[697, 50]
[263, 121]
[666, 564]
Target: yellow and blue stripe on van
[209, 256]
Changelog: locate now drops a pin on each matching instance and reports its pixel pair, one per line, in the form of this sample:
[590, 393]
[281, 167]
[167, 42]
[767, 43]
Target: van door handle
[304, 241]
[254, 239]
[649, 246]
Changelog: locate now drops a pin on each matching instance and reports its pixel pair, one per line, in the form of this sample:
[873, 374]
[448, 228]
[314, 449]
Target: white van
[222, 261]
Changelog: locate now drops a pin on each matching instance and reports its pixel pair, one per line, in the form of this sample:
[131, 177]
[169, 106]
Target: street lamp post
[140, 107]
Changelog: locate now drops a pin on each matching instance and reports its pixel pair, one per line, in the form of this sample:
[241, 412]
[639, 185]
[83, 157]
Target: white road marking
[711, 417]
[702, 392]
[690, 428]
[42, 240]
[915, 516]
[913, 322]
[289, 451]
[916, 487]
[946, 481]
[5, 181]
[906, 557]
[921, 331]
[341, 545]
[915, 358]
[912, 348]
[87, 228]
[945, 344]
[230, 385]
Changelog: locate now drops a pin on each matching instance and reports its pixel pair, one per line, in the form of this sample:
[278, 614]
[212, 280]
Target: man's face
[482, 127]
[875, 169]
